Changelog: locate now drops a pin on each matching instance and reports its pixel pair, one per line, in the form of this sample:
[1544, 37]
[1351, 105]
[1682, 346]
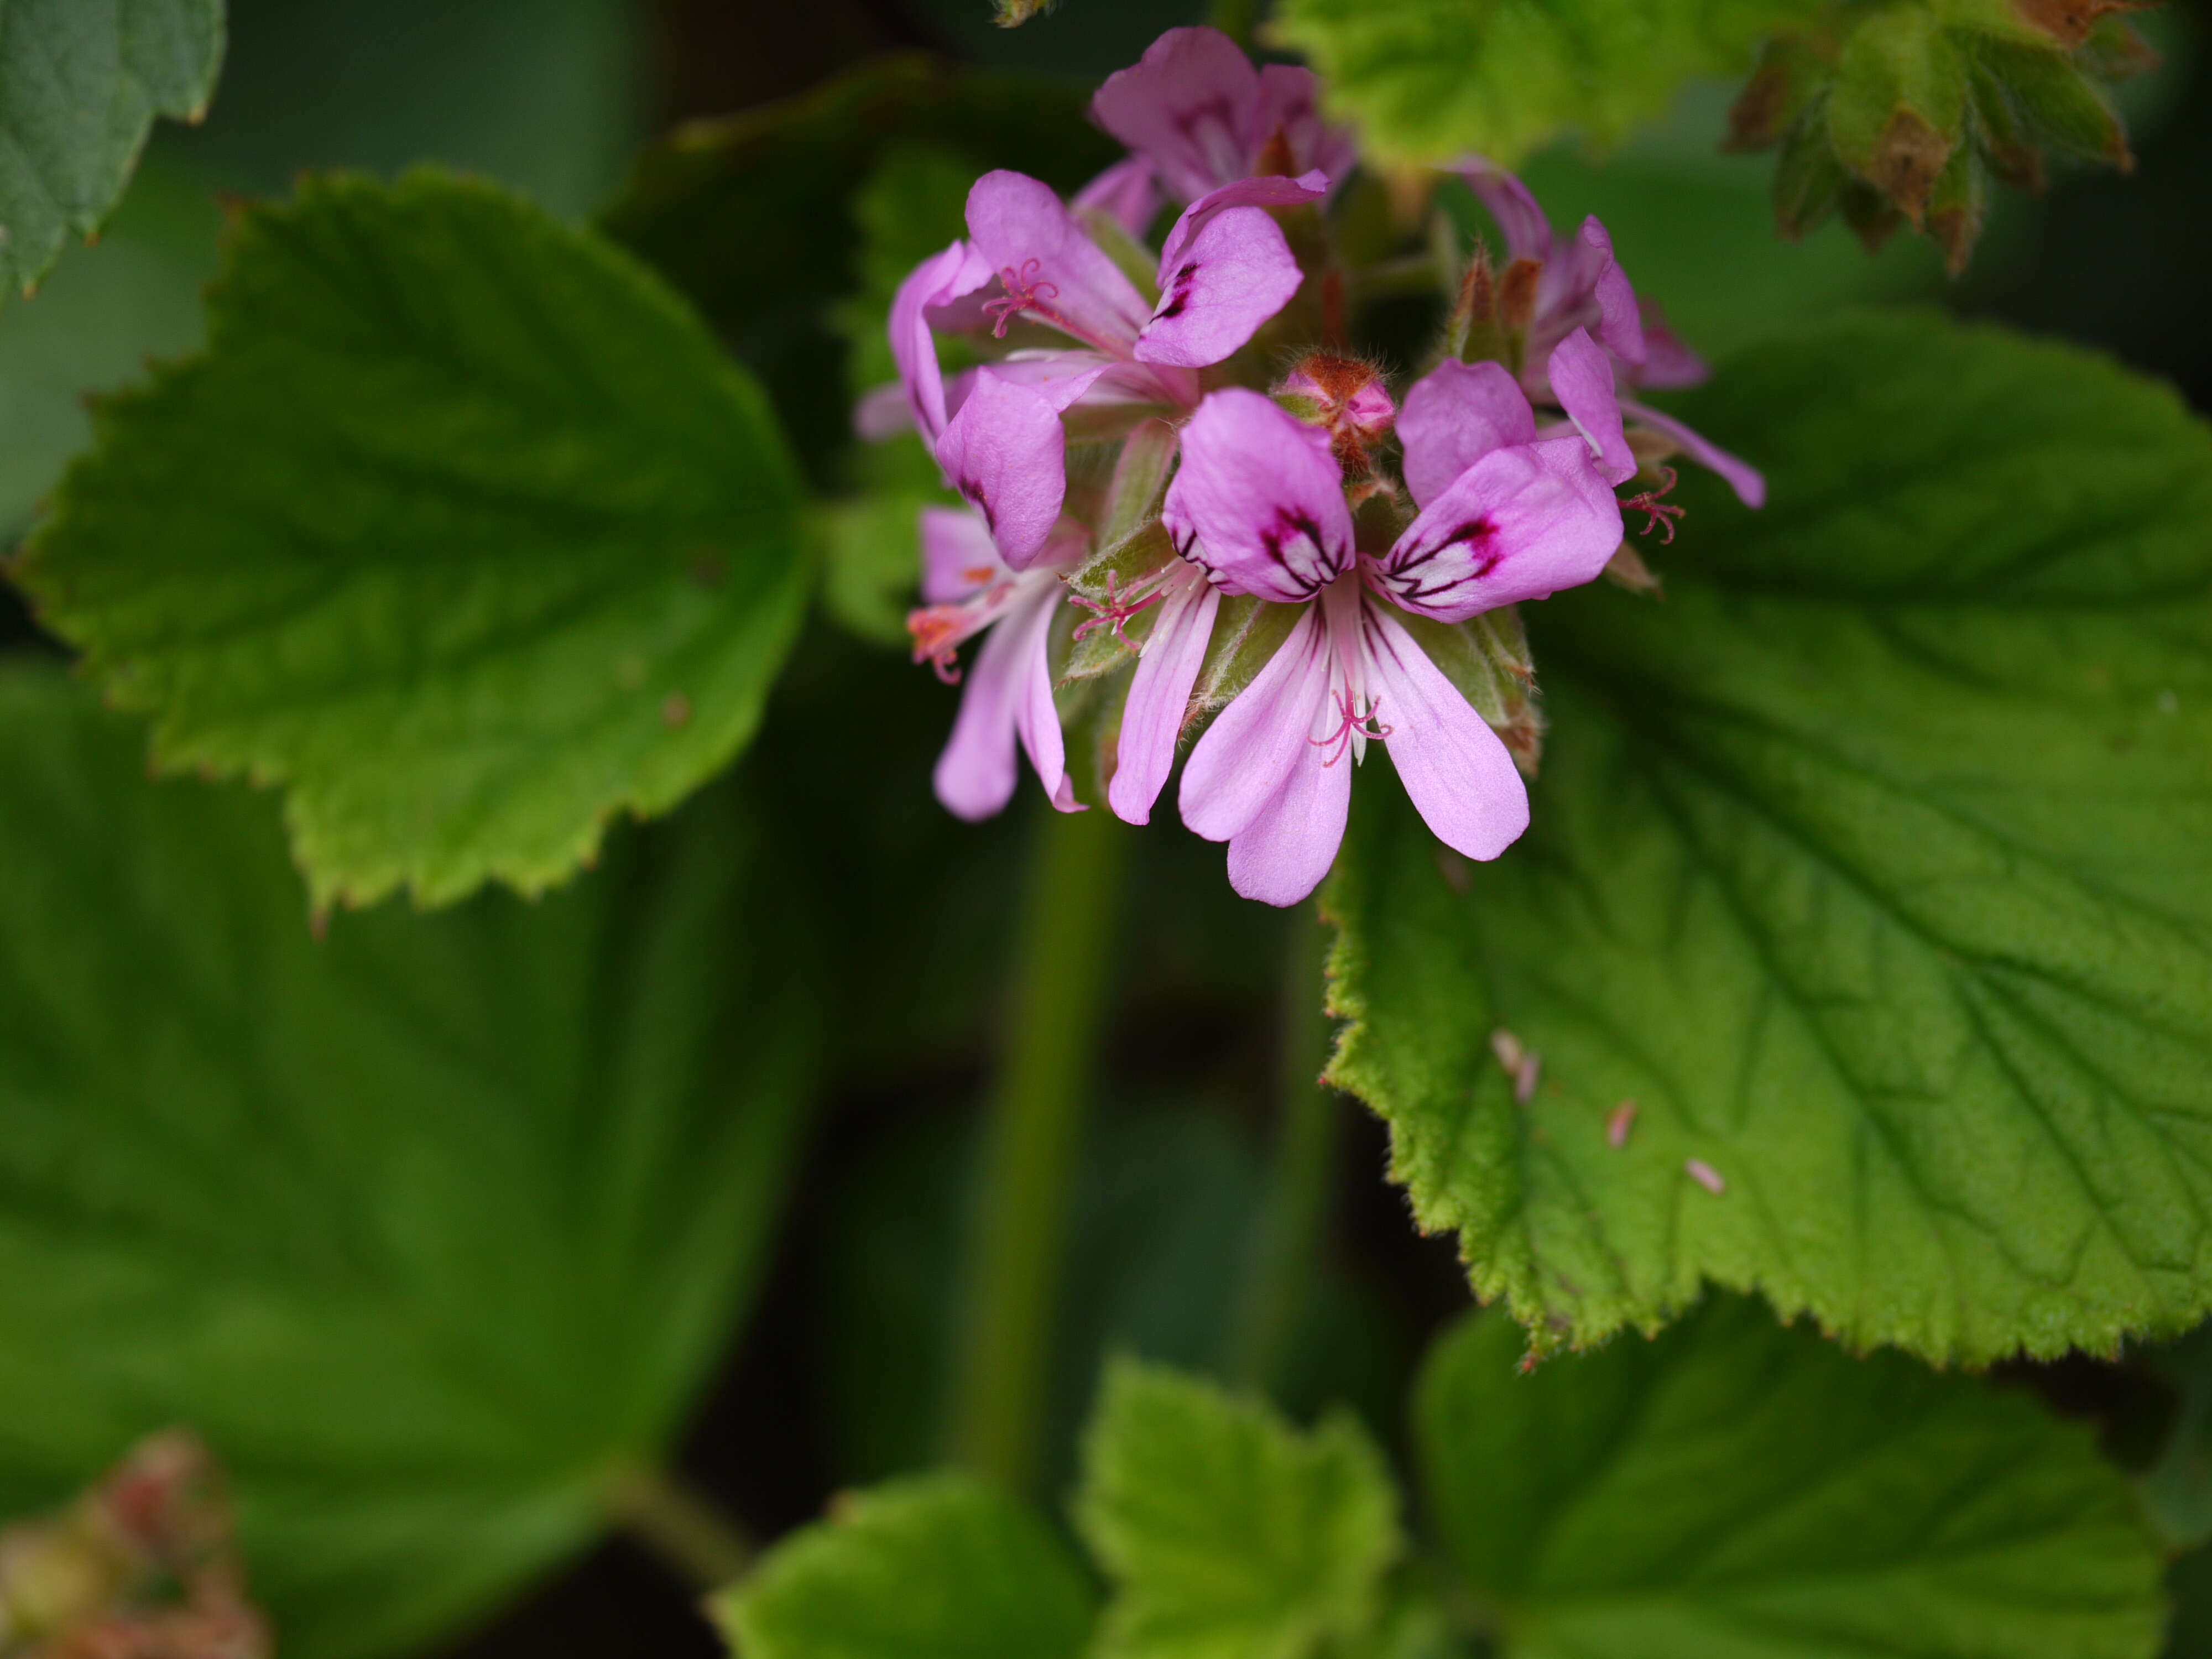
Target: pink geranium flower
[1258, 507]
[969, 590]
[1581, 286]
[1197, 115]
[997, 432]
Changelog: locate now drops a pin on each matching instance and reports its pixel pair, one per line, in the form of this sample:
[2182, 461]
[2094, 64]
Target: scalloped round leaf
[1227, 1532]
[462, 529]
[81, 81]
[431, 1227]
[1869, 896]
[1739, 1490]
[923, 1569]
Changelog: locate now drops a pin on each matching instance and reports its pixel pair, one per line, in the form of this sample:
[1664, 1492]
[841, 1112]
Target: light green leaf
[1737, 1489]
[1869, 864]
[81, 81]
[462, 528]
[1228, 1533]
[938, 1568]
[432, 1227]
[1430, 79]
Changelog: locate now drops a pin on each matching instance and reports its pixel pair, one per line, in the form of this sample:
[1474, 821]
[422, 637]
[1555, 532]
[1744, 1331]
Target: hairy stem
[1062, 965]
[1293, 1219]
[680, 1526]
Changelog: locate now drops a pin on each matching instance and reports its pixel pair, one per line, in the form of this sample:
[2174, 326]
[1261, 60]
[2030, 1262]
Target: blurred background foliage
[834, 1382]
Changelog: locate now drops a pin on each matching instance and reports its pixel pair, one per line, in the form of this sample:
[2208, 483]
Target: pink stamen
[1662, 514]
[1353, 723]
[1024, 292]
[1117, 609]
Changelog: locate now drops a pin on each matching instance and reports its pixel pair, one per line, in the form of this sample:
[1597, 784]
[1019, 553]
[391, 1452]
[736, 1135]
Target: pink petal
[1667, 362]
[1585, 285]
[1457, 771]
[1283, 853]
[1580, 374]
[1271, 191]
[975, 775]
[1036, 720]
[1192, 105]
[1034, 245]
[1520, 524]
[1527, 232]
[1259, 500]
[883, 411]
[1006, 451]
[1232, 277]
[1128, 192]
[936, 281]
[1253, 743]
[1288, 106]
[1159, 692]
[957, 556]
[1453, 417]
[1748, 483]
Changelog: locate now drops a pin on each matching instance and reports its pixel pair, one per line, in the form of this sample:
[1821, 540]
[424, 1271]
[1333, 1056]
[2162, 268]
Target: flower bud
[1346, 395]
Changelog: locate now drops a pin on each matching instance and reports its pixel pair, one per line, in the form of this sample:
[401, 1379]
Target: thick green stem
[1062, 968]
[679, 1527]
[1293, 1219]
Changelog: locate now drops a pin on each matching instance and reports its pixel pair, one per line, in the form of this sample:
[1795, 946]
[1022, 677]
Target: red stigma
[1115, 611]
[1024, 292]
[1352, 723]
[1663, 514]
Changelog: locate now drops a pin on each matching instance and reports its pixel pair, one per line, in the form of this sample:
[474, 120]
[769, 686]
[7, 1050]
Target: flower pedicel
[1239, 481]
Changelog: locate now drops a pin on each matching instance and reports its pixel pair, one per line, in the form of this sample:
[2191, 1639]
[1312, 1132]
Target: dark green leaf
[137, 295]
[1429, 79]
[81, 81]
[1737, 1489]
[1228, 1533]
[939, 1568]
[432, 1227]
[1869, 864]
[462, 529]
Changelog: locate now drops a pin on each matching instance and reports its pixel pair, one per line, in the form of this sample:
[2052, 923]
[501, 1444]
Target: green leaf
[1228, 1533]
[1429, 79]
[938, 1568]
[1869, 866]
[462, 529]
[1738, 1489]
[432, 1227]
[745, 215]
[81, 81]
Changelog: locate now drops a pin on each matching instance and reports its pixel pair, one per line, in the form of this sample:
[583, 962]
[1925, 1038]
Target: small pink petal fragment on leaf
[1704, 1174]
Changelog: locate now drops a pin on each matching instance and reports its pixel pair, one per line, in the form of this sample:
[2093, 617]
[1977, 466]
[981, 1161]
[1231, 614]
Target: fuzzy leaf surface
[431, 1227]
[1430, 80]
[462, 529]
[1740, 1490]
[1228, 1533]
[1871, 864]
[81, 81]
[940, 1567]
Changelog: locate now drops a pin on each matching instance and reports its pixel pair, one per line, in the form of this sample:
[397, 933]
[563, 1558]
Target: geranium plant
[1776, 952]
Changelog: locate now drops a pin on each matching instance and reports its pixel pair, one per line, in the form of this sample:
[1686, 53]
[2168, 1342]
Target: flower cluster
[1185, 449]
